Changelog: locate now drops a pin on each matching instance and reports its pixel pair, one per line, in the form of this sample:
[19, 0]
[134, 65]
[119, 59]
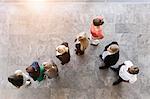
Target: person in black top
[62, 53]
[19, 79]
[110, 55]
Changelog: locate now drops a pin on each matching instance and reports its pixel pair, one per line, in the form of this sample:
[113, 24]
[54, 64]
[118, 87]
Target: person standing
[35, 71]
[127, 72]
[81, 43]
[96, 30]
[19, 79]
[62, 53]
[50, 69]
[110, 55]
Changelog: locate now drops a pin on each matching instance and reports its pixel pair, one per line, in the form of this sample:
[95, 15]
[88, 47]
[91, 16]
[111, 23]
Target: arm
[111, 59]
[133, 79]
[59, 57]
[121, 65]
[75, 40]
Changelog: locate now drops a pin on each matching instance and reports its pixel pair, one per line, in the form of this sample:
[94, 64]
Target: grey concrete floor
[28, 33]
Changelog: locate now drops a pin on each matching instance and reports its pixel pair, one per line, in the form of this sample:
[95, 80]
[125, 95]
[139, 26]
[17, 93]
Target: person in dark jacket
[110, 55]
[62, 53]
[19, 79]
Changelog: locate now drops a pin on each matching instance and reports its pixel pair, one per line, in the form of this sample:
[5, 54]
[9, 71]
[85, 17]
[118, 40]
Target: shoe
[114, 69]
[94, 44]
[116, 83]
[103, 67]
[57, 75]
[100, 56]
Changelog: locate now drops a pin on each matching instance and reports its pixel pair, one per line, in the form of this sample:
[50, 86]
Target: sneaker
[94, 44]
[114, 69]
[100, 56]
[116, 83]
[103, 67]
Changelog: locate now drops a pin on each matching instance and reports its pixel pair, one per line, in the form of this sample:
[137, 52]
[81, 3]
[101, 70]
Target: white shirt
[125, 75]
[105, 53]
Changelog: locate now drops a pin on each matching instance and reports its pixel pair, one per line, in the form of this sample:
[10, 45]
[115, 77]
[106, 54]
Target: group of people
[126, 72]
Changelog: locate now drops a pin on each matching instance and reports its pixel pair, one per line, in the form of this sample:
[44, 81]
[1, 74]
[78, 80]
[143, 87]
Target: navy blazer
[111, 59]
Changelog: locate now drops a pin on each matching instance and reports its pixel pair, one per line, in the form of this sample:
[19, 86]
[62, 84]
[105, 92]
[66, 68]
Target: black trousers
[119, 80]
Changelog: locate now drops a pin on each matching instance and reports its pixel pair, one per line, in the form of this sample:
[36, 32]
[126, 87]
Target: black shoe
[57, 75]
[114, 69]
[94, 44]
[117, 82]
[100, 56]
[103, 67]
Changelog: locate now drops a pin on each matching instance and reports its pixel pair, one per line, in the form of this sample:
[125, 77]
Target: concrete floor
[28, 33]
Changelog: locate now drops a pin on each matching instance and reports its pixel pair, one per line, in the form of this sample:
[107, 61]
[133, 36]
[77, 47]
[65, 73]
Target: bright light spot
[36, 0]
[37, 5]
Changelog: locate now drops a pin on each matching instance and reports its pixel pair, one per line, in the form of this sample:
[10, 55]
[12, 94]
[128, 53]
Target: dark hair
[135, 70]
[78, 46]
[96, 22]
[65, 43]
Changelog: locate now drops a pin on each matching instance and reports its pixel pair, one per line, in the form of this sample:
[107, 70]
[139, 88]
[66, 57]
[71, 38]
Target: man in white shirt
[127, 72]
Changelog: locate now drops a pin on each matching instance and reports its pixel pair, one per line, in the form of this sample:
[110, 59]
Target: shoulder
[114, 42]
[65, 44]
[128, 63]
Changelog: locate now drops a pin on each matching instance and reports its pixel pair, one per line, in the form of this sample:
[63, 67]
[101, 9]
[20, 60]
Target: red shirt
[97, 31]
